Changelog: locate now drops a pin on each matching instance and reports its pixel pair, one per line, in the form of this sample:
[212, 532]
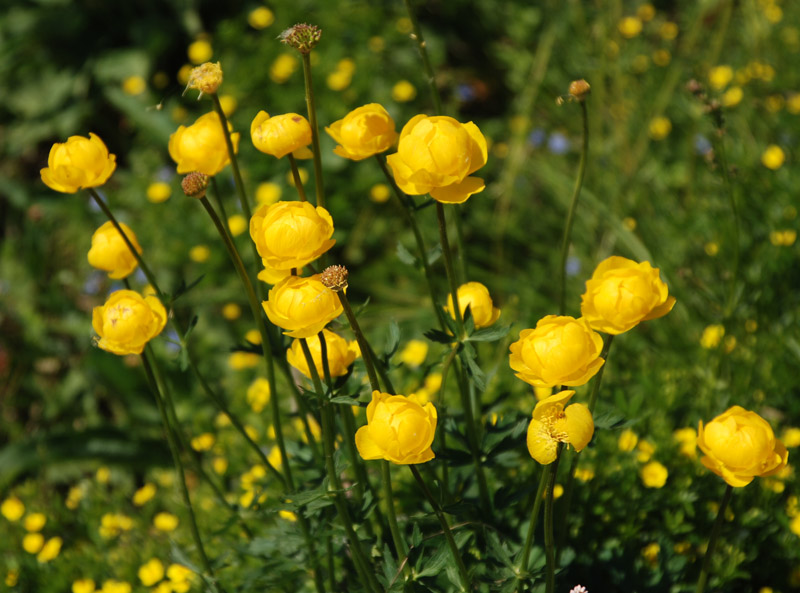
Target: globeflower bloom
[437, 155]
[341, 354]
[291, 234]
[475, 296]
[364, 132]
[561, 350]
[399, 429]
[281, 134]
[77, 164]
[554, 422]
[739, 445]
[302, 306]
[110, 253]
[201, 147]
[127, 321]
[622, 293]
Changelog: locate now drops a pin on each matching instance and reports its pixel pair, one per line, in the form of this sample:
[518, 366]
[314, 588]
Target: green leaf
[405, 256]
[435, 335]
[489, 334]
[345, 400]
[416, 536]
[183, 288]
[434, 566]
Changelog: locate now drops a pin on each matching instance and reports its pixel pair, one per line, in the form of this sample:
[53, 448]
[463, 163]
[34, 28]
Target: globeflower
[437, 155]
[653, 475]
[291, 234]
[281, 134]
[561, 350]
[622, 293]
[739, 445]
[110, 253]
[364, 132]
[201, 147]
[554, 422]
[302, 306]
[475, 296]
[78, 163]
[399, 429]
[127, 321]
[341, 354]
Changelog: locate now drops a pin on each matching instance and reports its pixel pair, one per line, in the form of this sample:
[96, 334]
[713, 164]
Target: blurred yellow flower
[338, 80]
[794, 525]
[645, 451]
[282, 68]
[732, 97]
[115, 586]
[35, 522]
[773, 157]
[32, 542]
[144, 494]
[627, 440]
[661, 57]
[220, 465]
[151, 572]
[158, 192]
[288, 515]
[201, 147]
[112, 524]
[302, 173]
[630, 26]
[554, 422]
[103, 475]
[687, 440]
[243, 360]
[12, 509]
[200, 253]
[558, 491]
[237, 224]
[364, 132]
[203, 442]
[653, 475]
[711, 248]
[50, 550]
[178, 573]
[260, 18]
[376, 44]
[659, 128]
[646, 12]
[12, 576]
[340, 354]
[110, 253]
[414, 353]
[475, 296]
[74, 497]
[228, 104]
[134, 85]
[379, 193]
[78, 163]
[720, 76]
[403, 91]
[258, 394]
[791, 437]
[433, 382]
[784, 238]
[268, 193]
[165, 521]
[668, 31]
[231, 311]
[584, 474]
[712, 336]
[83, 586]
[200, 51]
[650, 553]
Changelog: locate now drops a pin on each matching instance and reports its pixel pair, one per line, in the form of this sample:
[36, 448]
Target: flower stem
[549, 543]
[401, 549]
[599, 377]
[312, 120]
[726, 176]
[298, 183]
[462, 570]
[423, 53]
[366, 350]
[522, 567]
[448, 262]
[448, 362]
[712, 540]
[237, 175]
[576, 192]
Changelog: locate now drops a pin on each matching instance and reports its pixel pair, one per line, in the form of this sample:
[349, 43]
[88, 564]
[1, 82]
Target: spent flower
[206, 78]
[554, 422]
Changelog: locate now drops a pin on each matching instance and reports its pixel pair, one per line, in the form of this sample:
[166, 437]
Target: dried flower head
[579, 89]
[194, 185]
[206, 78]
[302, 37]
[335, 278]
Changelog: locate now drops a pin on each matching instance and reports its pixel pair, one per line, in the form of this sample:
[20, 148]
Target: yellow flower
[653, 475]
[732, 97]
[201, 147]
[32, 542]
[144, 494]
[231, 311]
[35, 522]
[740, 445]
[340, 354]
[206, 78]
[403, 91]
[414, 353]
[555, 423]
[630, 27]
[660, 127]
[650, 553]
[712, 336]
[281, 134]
[114, 586]
[584, 474]
[50, 551]
[364, 132]
[151, 572]
[110, 253]
[103, 475]
[627, 440]
[437, 155]
[720, 76]
[791, 437]
[178, 573]
[237, 224]
[339, 80]
[228, 104]
[83, 586]
[302, 306]
[646, 450]
[200, 51]
[77, 164]
[282, 68]
[794, 525]
[158, 192]
[268, 193]
[291, 234]
[561, 350]
[668, 31]
[773, 157]
[220, 465]
[74, 497]
[399, 429]
[243, 360]
[260, 18]
[379, 193]
[288, 515]
[687, 439]
[199, 253]
[165, 522]
[134, 85]
[12, 509]
[12, 576]
[126, 322]
[204, 442]
[258, 394]
[476, 296]
[622, 293]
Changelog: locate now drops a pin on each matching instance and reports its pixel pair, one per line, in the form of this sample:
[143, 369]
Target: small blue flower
[702, 145]
[558, 143]
[573, 266]
[536, 137]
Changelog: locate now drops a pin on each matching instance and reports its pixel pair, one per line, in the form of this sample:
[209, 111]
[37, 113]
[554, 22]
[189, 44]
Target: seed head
[335, 278]
[206, 78]
[302, 37]
[194, 185]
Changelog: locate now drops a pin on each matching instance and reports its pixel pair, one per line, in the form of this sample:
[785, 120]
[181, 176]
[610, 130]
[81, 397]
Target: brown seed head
[579, 89]
[206, 78]
[194, 185]
[302, 37]
[335, 278]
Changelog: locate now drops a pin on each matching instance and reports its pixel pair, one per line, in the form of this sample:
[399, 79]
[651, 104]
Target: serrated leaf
[434, 566]
[345, 400]
[404, 255]
[183, 288]
[474, 372]
[489, 334]
[469, 320]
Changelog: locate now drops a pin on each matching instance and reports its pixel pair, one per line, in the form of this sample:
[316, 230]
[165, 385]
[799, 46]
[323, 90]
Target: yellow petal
[579, 425]
[458, 193]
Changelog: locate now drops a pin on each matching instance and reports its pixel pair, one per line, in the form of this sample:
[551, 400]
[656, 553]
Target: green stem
[408, 209]
[712, 540]
[237, 176]
[401, 549]
[366, 351]
[312, 120]
[522, 568]
[157, 386]
[298, 183]
[451, 542]
[599, 377]
[423, 53]
[576, 192]
[549, 543]
[448, 263]
[442, 417]
[218, 200]
[723, 163]
[472, 437]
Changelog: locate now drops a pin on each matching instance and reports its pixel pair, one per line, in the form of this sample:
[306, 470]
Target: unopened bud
[335, 278]
[206, 78]
[194, 185]
[579, 89]
[302, 37]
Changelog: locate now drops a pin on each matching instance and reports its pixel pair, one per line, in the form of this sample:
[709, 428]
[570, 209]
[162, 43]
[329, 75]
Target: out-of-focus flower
[115, 586]
[200, 51]
[379, 193]
[341, 354]
[258, 394]
[200, 253]
[203, 442]
[165, 521]
[281, 134]
[282, 68]
[712, 336]
[237, 224]
[83, 586]
[650, 553]
[231, 311]
[739, 445]
[475, 296]
[260, 18]
[791, 437]
[110, 253]
[268, 193]
[561, 350]
[403, 91]
[773, 157]
[414, 353]
[158, 192]
[151, 572]
[228, 104]
[32, 542]
[127, 321]
[630, 26]
[134, 85]
[243, 360]
[554, 422]
[687, 440]
[206, 78]
[50, 550]
[364, 132]
[78, 163]
[720, 76]
[398, 429]
[622, 293]
[659, 128]
[653, 475]
[35, 522]
[12, 509]
[302, 306]
[645, 451]
[144, 494]
[627, 440]
[201, 147]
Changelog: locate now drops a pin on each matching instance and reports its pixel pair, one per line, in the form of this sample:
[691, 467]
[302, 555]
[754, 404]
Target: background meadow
[81, 441]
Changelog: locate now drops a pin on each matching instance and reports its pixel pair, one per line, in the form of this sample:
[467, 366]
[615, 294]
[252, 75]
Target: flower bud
[302, 306]
[579, 89]
[364, 132]
[476, 296]
[281, 134]
[302, 37]
[206, 78]
[127, 321]
[110, 253]
[78, 163]
[194, 185]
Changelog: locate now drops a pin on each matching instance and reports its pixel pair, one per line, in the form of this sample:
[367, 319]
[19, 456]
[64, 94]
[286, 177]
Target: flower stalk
[312, 120]
[237, 175]
[549, 542]
[712, 540]
[298, 183]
